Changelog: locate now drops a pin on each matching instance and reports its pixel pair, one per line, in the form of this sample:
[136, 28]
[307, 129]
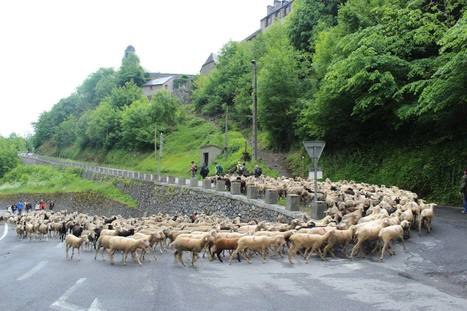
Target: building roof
[212, 58]
[283, 5]
[253, 35]
[210, 145]
[159, 81]
[157, 75]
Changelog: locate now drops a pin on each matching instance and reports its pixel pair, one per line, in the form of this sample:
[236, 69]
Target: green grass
[180, 148]
[46, 179]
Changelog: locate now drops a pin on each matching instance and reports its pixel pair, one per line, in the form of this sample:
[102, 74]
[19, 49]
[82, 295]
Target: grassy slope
[180, 148]
[46, 179]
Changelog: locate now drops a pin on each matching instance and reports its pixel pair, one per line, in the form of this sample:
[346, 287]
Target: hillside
[382, 82]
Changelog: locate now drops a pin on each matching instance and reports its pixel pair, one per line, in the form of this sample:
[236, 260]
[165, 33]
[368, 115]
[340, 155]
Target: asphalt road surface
[430, 275]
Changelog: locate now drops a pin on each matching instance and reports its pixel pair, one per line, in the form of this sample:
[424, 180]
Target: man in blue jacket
[20, 207]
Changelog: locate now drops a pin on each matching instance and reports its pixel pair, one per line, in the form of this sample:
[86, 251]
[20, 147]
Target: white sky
[49, 47]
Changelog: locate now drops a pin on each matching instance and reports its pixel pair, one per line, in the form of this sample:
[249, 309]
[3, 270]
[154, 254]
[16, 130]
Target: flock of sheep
[369, 217]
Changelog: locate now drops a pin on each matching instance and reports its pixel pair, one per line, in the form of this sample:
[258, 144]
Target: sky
[49, 47]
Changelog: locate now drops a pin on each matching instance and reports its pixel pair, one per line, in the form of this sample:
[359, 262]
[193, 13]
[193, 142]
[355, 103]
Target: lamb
[194, 245]
[426, 216]
[391, 232]
[73, 242]
[127, 245]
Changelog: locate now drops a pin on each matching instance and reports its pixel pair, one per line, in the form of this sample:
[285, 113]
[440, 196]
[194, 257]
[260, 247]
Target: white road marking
[34, 270]
[62, 304]
[5, 231]
[96, 306]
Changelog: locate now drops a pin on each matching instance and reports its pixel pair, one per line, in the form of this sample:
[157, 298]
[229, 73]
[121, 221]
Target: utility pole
[255, 107]
[161, 146]
[226, 129]
[155, 152]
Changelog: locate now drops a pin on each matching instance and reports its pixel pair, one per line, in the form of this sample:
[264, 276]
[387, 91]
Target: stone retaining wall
[156, 197]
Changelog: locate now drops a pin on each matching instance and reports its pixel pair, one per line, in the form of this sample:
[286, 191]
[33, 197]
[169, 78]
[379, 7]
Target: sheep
[190, 244]
[310, 242]
[339, 237]
[366, 232]
[256, 243]
[104, 242]
[73, 242]
[426, 216]
[218, 245]
[391, 232]
[127, 245]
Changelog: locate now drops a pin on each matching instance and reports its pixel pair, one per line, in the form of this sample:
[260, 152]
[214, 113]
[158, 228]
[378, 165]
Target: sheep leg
[180, 258]
[231, 256]
[124, 256]
[79, 254]
[263, 255]
[291, 253]
[242, 252]
[97, 251]
[381, 258]
[403, 243]
[111, 254]
[355, 248]
[72, 252]
[218, 253]
[194, 257]
[66, 251]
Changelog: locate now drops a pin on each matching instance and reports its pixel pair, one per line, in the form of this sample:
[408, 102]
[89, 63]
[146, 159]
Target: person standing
[28, 206]
[41, 205]
[194, 169]
[204, 171]
[463, 190]
[258, 171]
[20, 207]
[219, 169]
[51, 205]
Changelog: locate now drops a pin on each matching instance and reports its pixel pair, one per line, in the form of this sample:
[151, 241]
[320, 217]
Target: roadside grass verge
[47, 179]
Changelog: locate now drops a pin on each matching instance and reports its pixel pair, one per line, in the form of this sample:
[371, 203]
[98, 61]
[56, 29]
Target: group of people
[240, 169]
[27, 206]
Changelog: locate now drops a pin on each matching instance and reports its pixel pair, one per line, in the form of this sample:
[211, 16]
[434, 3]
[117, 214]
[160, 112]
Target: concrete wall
[213, 152]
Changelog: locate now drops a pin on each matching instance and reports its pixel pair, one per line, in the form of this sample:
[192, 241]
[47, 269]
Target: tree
[8, 156]
[125, 95]
[279, 89]
[103, 128]
[131, 71]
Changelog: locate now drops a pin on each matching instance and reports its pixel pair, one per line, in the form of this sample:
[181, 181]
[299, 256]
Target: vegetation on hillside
[46, 179]
[9, 148]
[373, 78]
[383, 79]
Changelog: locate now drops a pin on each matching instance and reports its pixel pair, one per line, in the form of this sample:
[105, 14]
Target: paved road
[431, 275]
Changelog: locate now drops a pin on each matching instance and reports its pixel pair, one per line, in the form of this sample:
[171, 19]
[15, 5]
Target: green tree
[125, 95]
[103, 128]
[131, 71]
[8, 156]
[279, 88]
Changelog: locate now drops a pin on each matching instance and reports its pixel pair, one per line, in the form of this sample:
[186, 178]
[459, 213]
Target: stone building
[180, 85]
[278, 11]
[209, 153]
[209, 64]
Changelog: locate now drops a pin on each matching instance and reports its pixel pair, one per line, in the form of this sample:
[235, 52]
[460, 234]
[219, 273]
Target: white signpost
[315, 148]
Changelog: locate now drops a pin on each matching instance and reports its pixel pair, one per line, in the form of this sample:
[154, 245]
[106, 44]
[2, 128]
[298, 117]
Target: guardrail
[114, 172]
[270, 198]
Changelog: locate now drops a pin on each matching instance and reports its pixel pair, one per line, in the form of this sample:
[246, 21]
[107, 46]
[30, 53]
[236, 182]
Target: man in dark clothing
[28, 206]
[204, 171]
[258, 171]
[51, 205]
[219, 169]
[13, 208]
[242, 170]
[463, 190]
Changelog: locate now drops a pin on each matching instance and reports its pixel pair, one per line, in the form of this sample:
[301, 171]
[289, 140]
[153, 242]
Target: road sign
[314, 148]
